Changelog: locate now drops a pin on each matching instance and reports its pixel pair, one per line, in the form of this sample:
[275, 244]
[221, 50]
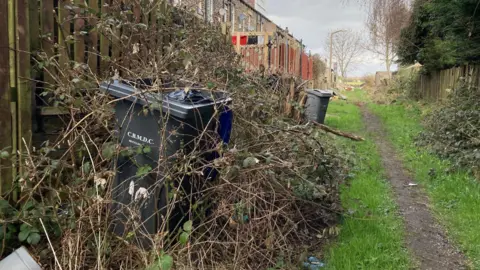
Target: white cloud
[312, 20]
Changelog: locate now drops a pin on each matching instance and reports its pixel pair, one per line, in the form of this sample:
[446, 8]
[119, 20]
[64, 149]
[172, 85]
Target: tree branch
[338, 132]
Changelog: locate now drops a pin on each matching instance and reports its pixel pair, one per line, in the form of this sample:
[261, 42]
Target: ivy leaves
[29, 234]
[187, 229]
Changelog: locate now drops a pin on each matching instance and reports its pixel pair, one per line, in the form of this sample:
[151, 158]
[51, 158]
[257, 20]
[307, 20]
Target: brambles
[278, 181]
[453, 130]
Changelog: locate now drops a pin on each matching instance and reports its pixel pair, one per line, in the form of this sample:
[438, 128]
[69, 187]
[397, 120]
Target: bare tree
[319, 71]
[347, 47]
[385, 21]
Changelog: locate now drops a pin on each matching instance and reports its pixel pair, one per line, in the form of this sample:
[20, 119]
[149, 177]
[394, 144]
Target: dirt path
[425, 239]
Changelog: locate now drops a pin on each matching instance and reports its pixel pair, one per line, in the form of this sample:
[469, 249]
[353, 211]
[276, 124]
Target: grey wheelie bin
[317, 104]
[167, 123]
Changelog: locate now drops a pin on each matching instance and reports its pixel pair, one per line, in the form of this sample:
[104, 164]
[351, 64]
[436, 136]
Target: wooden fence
[60, 31]
[15, 89]
[438, 84]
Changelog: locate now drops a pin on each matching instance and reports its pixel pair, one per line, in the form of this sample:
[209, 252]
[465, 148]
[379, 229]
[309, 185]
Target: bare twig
[338, 132]
[50, 244]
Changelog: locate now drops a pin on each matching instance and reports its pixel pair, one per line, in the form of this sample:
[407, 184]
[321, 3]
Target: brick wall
[243, 18]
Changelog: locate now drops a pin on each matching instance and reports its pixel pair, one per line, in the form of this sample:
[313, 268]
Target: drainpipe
[309, 59]
[301, 56]
[269, 45]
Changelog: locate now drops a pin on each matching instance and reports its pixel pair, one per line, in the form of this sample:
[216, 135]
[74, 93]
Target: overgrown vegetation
[276, 195]
[453, 130]
[454, 194]
[319, 71]
[371, 235]
[441, 34]
[404, 85]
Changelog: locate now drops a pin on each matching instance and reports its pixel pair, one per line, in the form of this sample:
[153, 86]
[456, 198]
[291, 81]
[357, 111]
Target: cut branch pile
[275, 197]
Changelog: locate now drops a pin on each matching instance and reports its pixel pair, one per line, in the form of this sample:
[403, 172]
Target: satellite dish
[222, 11]
[241, 17]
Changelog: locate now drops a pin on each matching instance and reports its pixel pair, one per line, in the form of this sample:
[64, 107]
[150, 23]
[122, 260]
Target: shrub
[401, 87]
[453, 129]
[277, 188]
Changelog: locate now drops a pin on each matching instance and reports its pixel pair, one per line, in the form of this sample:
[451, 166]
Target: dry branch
[338, 132]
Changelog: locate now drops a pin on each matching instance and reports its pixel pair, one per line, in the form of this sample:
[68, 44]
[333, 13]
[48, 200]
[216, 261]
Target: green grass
[344, 115]
[455, 197]
[372, 233]
[357, 95]
[358, 83]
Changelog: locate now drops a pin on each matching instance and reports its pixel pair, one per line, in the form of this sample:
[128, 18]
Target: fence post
[5, 97]
[24, 82]
[12, 37]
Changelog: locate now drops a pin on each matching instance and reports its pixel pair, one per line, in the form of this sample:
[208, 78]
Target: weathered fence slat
[79, 27]
[47, 40]
[437, 85]
[153, 25]
[34, 26]
[24, 83]
[5, 97]
[104, 42]
[93, 38]
[12, 37]
[145, 20]
[64, 33]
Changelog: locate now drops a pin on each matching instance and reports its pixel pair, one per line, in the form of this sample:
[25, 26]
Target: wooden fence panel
[437, 85]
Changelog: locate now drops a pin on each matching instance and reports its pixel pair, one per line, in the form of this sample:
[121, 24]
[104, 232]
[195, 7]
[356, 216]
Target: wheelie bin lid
[320, 92]
[181, 103]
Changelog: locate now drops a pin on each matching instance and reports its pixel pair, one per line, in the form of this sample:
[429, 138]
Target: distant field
[359, 83]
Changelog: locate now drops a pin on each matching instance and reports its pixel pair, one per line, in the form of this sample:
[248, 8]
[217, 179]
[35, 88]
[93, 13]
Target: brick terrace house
[286, 53]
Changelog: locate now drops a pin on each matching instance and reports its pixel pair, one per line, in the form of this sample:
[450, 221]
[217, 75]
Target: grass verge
[371, 234]
[455, 195]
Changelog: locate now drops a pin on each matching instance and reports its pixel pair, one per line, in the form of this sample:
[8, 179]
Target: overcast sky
[312, 20]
